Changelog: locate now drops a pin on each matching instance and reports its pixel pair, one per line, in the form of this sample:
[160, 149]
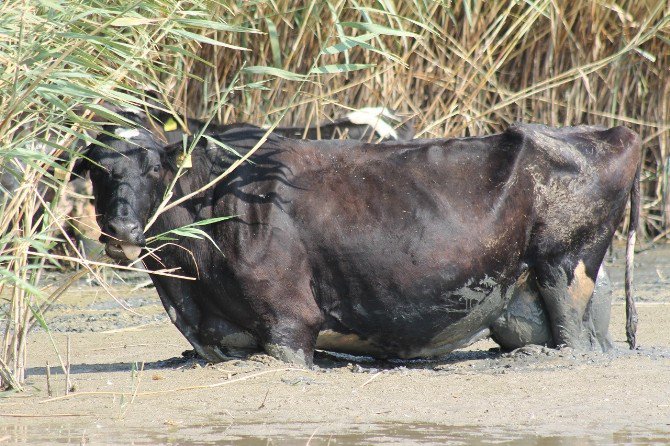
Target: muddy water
[373, 434]
[132, 386]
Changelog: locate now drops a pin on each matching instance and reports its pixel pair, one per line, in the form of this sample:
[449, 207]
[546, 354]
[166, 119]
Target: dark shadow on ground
[170, 363]
[494, 361]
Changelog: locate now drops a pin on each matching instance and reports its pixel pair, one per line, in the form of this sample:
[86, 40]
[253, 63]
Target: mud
[133, 386]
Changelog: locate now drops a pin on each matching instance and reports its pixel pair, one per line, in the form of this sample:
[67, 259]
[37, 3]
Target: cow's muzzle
[123, 251]
[123, 239]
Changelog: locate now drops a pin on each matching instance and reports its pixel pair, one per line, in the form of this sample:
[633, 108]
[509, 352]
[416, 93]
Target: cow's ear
[106, 112]
[179, 154]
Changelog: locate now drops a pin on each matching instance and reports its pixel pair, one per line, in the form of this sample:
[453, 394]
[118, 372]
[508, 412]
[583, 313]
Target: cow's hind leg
[599, 309]
[566, 286]
[525, 320]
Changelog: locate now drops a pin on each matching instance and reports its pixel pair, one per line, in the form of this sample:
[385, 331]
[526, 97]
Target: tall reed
[460, 67]
[61, 62]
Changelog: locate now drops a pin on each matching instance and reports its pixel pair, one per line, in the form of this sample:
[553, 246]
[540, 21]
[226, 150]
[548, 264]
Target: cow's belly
[419, 293]
[353, 344]
[431, 328]
[350, 343]
[468, 329]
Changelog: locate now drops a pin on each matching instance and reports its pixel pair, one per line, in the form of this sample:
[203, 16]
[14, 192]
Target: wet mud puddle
[309, 434]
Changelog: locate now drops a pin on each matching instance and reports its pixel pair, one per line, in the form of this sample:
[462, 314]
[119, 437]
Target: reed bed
[460, 68]
[457, 68]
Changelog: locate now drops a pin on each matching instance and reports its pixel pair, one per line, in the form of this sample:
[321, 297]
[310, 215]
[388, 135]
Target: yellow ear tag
[60, 174]
[170, 125]
[184, 160]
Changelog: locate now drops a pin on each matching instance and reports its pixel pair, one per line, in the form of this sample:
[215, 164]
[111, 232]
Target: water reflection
[107, 433]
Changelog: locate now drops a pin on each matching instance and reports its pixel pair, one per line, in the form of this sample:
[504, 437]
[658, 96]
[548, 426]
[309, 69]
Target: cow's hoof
[531, 350]
[266, 359]
[606, 343]
[212, 354]
[287, 354]
[190, 354]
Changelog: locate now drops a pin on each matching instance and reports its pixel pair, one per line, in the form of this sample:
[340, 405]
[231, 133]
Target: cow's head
[126, 168]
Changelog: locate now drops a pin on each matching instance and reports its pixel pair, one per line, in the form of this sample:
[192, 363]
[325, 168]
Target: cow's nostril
[112, 229]
[135, 232]
[125, 231]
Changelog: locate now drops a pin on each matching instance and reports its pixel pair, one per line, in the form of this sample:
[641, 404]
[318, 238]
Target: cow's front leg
[566, 288]
[290, 321]
[213, 338]
[280, 294]
[292, 341]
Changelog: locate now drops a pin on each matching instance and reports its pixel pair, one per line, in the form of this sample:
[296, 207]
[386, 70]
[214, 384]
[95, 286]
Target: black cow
[406, 250]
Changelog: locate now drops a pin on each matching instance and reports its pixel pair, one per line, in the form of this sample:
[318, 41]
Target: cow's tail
[631, 311]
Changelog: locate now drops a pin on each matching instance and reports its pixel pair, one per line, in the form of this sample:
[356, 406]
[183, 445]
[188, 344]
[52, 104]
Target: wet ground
[132, 386]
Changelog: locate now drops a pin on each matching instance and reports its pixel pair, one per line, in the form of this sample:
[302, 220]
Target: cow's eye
[153, 170]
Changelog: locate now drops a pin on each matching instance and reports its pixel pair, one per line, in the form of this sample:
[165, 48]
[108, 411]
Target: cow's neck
[197, 208]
